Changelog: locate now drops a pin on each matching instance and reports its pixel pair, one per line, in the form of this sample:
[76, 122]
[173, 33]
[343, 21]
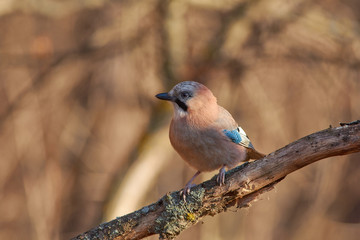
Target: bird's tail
[253, 154]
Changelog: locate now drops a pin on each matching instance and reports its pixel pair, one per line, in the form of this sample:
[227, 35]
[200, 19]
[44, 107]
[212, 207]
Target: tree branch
[170, 215]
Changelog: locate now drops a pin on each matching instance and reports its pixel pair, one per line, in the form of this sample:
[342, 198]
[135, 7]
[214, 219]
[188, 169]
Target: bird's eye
[185, 95]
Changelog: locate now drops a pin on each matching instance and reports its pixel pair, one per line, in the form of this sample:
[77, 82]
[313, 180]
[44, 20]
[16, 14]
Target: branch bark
[169, 216]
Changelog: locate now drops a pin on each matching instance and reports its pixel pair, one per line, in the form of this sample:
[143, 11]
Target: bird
[204, 134]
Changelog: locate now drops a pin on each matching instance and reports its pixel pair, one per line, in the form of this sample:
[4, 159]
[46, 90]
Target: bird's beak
[164, 96]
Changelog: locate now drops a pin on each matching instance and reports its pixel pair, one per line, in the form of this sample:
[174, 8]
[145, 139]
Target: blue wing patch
[234, 135]
[238, 137]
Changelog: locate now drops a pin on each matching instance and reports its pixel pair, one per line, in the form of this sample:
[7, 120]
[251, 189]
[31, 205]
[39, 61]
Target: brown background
[82, 138]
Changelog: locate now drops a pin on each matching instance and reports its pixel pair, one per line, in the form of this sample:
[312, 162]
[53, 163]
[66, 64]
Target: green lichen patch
[179, 214]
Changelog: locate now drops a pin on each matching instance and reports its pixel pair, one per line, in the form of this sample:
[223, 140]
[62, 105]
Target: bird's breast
[205, 148]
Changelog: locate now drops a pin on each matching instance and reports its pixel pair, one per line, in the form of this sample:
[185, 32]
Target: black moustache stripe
[181, 104]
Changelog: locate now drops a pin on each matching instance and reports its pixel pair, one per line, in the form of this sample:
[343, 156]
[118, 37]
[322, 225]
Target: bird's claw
[188, 186]
[221, 177]
[186, 191]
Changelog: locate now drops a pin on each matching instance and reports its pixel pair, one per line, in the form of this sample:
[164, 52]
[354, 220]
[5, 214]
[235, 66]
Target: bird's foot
[188, 186]
[186, 190]
[221, 177]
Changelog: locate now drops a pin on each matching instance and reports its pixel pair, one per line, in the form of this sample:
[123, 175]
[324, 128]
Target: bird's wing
[230, 128]
[225, 120]
[236, 134]
[239, 136]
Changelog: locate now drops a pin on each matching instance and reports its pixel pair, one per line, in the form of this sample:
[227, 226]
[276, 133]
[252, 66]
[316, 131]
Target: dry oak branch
[170, 215]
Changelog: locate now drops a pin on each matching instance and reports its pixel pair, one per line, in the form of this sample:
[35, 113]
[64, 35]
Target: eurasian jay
[205, 134]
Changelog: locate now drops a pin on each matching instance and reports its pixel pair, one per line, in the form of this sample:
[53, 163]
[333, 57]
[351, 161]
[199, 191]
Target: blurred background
[83, 139]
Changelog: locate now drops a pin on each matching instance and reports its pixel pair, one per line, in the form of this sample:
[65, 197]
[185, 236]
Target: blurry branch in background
[169, 216]
[89, 52]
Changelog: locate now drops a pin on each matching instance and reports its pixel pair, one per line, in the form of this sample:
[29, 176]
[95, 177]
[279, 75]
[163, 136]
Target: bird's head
[190, 98]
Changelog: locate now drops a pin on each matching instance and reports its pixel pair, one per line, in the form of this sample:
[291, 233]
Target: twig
[350, 123]
[169, 216]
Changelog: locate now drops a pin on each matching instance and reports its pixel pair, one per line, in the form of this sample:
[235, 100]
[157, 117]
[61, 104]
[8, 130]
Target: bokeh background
[83, 139]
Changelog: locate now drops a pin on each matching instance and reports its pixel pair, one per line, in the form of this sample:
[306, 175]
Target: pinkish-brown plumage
[197, 131]
[204, 146]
